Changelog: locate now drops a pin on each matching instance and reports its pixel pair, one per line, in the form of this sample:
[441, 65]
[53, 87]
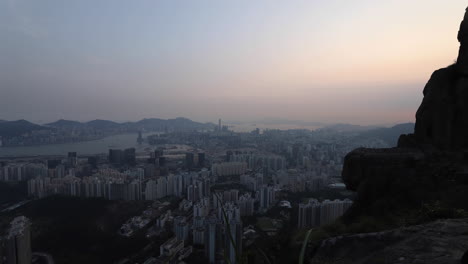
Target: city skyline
[335, 62]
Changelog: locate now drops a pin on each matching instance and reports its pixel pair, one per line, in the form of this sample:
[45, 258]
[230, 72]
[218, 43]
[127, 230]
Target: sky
[361, 61]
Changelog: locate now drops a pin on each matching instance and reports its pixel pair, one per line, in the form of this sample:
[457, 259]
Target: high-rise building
[18, 245]
[229, 168]
[246, 205]
[267, 197]
[178, 185]
[309, 214]
[51, 164]
[161, 187]
[72, 159]
[199, 236]
[211, 239]
[93, 161]
[151, 189]
[134, 191]
[130, 156]
[189, 160]
[181, 228]
[162, 162]
[60, 171]
[170, 185]
[115, 156]
[331, 210]
[233, 240]
[201, 160]
[313, 213]
[140, 137]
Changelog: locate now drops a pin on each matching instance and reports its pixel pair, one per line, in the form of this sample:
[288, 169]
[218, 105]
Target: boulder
[438, 242]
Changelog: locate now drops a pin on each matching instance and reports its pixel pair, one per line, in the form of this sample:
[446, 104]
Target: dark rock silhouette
[429, 165]
[442, 118]
[464, 259]
[462, 61]
[417, 188]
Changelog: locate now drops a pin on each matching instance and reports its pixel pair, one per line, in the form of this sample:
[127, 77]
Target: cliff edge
[428, 166]
[412, 203]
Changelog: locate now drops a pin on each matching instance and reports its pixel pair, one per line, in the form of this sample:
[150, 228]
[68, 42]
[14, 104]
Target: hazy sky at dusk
[361, 61]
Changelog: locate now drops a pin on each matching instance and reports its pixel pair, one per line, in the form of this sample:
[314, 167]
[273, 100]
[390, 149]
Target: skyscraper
[129, 156]
[201, 160]
[246, 204]
[234, 241]
[211, 240]
[115, 156]
[267, 197]
[19, 241]
[189, 160]
[72, 159]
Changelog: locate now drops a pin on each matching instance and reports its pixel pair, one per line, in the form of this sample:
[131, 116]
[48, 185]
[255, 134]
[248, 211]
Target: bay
[99, 146]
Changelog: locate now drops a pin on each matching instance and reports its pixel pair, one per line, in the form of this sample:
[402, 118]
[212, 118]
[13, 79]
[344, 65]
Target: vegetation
[12, 192]
[78, 230]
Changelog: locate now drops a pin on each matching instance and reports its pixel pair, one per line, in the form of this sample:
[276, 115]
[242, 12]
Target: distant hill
[179, 123]
[65, 124]
[389, 135]
[103, 124]
[150, 124]
[348, 128]
[19, 127]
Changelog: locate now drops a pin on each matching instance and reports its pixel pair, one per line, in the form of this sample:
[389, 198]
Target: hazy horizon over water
[250, 126]
[99, 146]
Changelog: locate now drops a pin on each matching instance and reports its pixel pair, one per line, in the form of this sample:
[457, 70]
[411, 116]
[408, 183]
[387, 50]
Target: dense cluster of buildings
[314, 213]
[219, 179]
[128, 185]
[212, 223]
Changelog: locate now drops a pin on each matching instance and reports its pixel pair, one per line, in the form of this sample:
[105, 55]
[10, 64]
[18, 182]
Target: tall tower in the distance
[219, 125]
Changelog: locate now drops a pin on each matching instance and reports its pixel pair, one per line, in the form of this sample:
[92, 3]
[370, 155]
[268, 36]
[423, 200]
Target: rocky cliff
[429, 167]
[438, 242]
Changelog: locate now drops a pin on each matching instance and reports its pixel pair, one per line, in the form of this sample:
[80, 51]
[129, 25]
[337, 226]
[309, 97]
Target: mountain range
[15, 128]
[18, 127]
[389, 135]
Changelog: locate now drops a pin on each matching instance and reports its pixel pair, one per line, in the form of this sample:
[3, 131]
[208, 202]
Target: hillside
[84, 230]
[347, 128]
[65, 124]
[103, 124]
[150, 124]
[19, 127]
[388, 135]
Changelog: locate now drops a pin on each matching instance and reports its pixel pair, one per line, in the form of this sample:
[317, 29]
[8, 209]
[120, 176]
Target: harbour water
[99, 146]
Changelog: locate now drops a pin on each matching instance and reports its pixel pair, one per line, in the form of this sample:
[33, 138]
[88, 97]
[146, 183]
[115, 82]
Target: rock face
[462, 61]
[442, 118]
[362, 164]
[439, 242]
[431, 163]
[429, 167]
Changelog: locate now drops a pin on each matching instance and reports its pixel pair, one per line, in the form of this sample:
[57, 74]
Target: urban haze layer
[180, 191]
